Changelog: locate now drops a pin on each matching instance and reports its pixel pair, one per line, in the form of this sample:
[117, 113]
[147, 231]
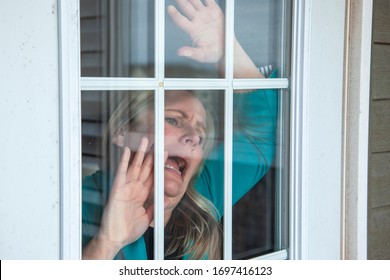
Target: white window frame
[316, 140]
[70, 129]
[298, 131]
[71, 86]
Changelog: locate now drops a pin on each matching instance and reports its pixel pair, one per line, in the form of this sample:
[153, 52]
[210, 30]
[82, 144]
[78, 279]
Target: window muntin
[279, 55]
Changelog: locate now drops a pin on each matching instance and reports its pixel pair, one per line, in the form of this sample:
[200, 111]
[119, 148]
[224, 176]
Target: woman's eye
[172, 121]
[201, 140]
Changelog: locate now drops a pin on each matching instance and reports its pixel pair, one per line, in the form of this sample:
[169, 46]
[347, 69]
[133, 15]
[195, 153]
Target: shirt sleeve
[254, 132]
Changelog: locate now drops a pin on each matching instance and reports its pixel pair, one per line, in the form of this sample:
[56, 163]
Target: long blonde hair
[194, 228]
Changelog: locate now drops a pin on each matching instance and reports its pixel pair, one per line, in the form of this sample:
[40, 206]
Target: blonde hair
[194, 225]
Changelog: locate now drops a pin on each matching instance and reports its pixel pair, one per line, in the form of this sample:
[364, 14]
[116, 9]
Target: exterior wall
[379, 144]
[29, 142]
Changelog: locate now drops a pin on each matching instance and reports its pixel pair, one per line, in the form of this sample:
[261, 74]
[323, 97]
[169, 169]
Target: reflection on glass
[117, 38]
[194, 39]
[260, 172]
[253, 155]
[260, 220]
[263, 29]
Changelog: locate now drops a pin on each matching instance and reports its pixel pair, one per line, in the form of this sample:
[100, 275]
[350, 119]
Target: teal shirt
[253, 153]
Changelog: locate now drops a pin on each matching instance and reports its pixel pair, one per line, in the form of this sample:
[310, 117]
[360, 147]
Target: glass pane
[261, 130]
[263, 31]
[193, 183]
[206, 59]
[117, 38]
[116, 210]
[194, 128]
[194, 174]
[260, 173]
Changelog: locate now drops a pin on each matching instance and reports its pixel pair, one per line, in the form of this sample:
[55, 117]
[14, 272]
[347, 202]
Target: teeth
[171, 167]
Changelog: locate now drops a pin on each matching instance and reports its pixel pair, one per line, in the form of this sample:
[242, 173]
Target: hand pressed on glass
[205, 26]
[126, 215]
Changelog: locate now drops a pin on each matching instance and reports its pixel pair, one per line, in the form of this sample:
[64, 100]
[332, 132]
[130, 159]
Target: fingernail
[144, 143]
[171, 8]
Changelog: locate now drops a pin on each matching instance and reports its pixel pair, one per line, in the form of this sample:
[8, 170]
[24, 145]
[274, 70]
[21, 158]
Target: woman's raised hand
[204, 23]
[125, 217]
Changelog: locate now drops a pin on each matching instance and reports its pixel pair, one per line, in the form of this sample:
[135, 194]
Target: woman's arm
[254, 112]
[253, 147]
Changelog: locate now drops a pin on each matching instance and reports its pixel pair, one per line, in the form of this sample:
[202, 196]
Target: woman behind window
[193, 186]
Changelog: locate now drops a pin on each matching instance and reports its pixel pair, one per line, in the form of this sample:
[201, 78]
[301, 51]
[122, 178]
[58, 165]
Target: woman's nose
[190, 136]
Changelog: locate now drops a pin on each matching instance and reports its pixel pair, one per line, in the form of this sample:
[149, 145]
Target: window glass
[260, 174]
[194, 138]
[180, 66]
[117, 38]
[111, 121]
[195, 130]
[258, 29]
[260, 154]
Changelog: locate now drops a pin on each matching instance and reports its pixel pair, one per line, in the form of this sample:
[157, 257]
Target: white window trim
[356, 128]
[278, 255]
[299, 134]
[316, 140]
[70, 129]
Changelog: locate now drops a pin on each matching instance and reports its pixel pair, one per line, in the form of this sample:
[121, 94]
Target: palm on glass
[125, 216]
[204, 23]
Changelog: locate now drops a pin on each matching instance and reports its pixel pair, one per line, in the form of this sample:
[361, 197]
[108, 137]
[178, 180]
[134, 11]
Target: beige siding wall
[379, 146]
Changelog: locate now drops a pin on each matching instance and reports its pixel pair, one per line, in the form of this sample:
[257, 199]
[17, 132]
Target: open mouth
[177, 164]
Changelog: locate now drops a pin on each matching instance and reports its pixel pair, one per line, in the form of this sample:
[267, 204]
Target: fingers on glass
[136, 164]
[187, 9]
[197, 4]
[210, 3]
[147, 166]
[121, 172]
[180, 20]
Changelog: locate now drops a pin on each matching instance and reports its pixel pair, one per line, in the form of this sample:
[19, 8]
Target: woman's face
[185, 132]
